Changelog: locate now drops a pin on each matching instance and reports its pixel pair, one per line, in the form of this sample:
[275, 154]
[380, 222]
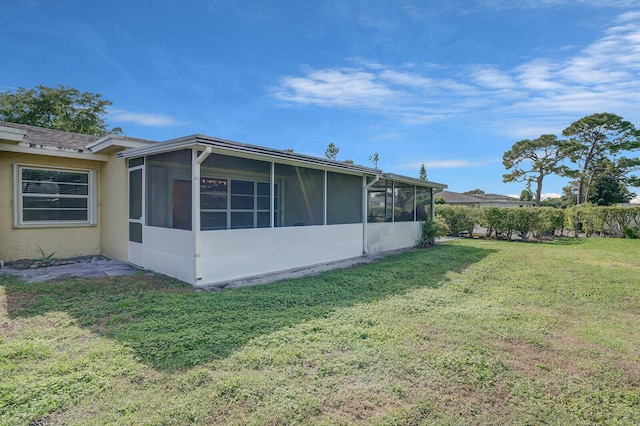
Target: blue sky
[451, 84]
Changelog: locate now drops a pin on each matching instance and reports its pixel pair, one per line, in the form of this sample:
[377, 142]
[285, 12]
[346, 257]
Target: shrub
[431, 229]
[458, 218]
[632, 233]
[524, 220]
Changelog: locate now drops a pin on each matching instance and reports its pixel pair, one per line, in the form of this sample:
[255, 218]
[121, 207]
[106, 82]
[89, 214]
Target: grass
[471, 332]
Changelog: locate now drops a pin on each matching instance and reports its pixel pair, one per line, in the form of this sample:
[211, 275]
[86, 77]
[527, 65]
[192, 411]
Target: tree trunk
[580, 199]
[539, 188]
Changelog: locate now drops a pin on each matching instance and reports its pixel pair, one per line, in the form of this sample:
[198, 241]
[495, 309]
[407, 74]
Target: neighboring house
[201, 209]
[482, 200]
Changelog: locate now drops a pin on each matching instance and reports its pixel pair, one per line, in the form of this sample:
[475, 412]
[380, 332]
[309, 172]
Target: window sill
[55, 225]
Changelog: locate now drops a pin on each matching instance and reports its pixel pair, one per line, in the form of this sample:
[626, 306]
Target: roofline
[413, 181]
[117, 141]
[12, 134]
[52, 151]
[224, 145]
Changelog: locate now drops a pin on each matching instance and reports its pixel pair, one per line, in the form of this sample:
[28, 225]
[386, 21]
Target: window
[54, 196]
[235, 203]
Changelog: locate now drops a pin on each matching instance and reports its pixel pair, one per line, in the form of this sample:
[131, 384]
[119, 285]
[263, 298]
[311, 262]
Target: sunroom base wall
[387, 236]
[239, 253]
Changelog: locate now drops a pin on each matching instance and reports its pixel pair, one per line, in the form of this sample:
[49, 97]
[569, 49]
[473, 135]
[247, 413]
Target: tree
[332, 151]
[475, 191]
[532, 160]
[423, 172]
[597, 137]
[526, 195]
[60, 108]
[608, 187]
[374, 159]
[570, 193]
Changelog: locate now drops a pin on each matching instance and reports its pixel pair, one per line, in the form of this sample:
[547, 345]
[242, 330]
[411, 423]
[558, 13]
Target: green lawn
[470, 332]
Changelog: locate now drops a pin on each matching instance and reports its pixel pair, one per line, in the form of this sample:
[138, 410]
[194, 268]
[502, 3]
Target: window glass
[135, 194]
[213, 220]
[135, 232]
[54, 195]
[213, 194]
[263, 220]
[237, 191]
[241, 220]
[344, 198]
[133, 162]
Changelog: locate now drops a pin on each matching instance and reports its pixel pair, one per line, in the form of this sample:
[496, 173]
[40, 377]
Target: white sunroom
[207, 210]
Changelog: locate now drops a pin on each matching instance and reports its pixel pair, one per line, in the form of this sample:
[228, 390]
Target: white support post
[272, 195]
[324, 200]
[196, 161]
[365, 210]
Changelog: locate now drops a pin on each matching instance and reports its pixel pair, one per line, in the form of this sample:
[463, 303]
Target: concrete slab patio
[79, 267]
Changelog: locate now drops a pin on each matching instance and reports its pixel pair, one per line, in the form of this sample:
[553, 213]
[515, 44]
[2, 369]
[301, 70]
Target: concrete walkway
[79, 267]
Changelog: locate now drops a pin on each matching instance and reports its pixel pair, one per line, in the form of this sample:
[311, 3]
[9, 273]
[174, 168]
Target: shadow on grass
[171, 326]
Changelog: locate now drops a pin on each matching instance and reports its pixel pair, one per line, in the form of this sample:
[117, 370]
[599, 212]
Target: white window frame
[18, 212]
[254, 210]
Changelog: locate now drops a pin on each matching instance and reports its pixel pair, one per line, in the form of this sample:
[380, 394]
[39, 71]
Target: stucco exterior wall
[113, 207]
[65, 241]
[385, 236]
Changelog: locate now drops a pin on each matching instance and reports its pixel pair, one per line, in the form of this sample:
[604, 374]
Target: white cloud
[492, 78]
[152, 120]
[548, 195]
[539, 96]
[447, 164]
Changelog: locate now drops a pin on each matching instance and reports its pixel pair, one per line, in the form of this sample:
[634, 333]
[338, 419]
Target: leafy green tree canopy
[596, 137]
[60, 108]
[608, 185]
[526, 195]
[374, 159]
[332, 151]
[423, 172]
[532, 160]
[475, 191]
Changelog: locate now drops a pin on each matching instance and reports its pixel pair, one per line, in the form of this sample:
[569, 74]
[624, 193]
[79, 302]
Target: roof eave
[12, 134]
[111, 143]
[414, 181]
[224, 145]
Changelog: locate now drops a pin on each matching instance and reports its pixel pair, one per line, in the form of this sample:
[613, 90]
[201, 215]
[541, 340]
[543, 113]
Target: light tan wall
[114, 229]
[21, 243]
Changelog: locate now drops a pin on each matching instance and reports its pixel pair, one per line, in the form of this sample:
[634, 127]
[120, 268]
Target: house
[482, 200]
[201, 209]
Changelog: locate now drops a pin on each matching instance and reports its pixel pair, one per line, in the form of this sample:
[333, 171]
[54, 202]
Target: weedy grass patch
[471, 332]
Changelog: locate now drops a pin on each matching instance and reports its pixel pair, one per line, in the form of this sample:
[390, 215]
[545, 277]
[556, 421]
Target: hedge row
[538, 222]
